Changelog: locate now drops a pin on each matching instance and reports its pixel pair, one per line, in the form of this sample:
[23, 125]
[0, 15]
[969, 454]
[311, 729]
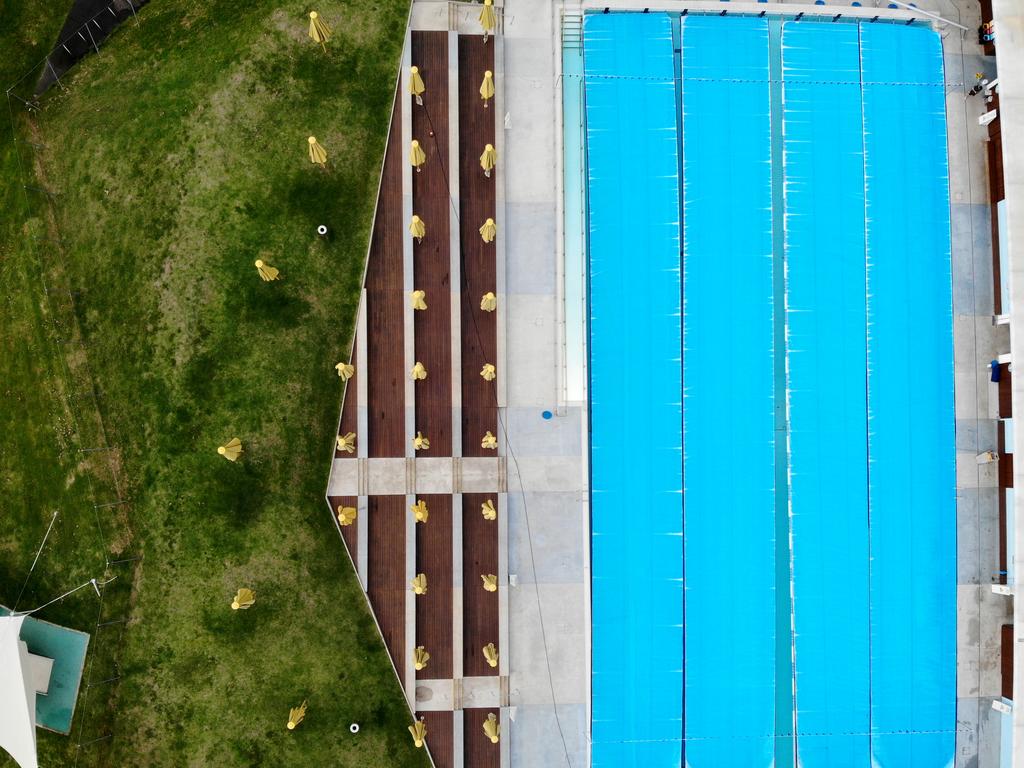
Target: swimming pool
[770, 393]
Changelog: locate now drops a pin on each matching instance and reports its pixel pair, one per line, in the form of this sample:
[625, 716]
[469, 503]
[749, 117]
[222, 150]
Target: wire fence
[95, 458]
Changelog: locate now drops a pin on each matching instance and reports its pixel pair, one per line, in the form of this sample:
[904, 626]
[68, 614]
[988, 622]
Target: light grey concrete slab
[479, 692]
[434, 475]
[534, 226]
[538, 738]
[557, 436]
[967, 733]
[435, 695]
[546, 473]
[532, 377]
[555, 520]
[971, 227]
[344, 478]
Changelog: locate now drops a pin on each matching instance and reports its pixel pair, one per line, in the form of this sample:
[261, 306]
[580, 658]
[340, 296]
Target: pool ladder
[572, 30]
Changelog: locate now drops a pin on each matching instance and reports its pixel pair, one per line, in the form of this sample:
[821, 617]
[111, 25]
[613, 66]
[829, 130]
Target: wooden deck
[479, 607]
[434, 609]
[386, 584]
[479, 751]
[431, 272]
[477, 201]
[385, 305]
[440, 738]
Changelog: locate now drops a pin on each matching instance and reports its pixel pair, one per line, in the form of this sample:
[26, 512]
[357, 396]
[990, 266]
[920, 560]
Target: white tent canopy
[17, 695]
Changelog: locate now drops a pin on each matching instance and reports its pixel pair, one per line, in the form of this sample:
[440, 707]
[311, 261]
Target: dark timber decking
[434, 609]
[385, 306]
[431, 258]
[479, 608]
[479, 751]
[477, 201]
[386, 583]
[440, 738]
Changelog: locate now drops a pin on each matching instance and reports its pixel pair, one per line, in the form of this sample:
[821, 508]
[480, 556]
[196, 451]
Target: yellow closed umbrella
[244, 599]
[266, 272]
[421, 443]
[490, 582]
[345, 370]
[416, 155]
[489, 441]
[418, 299]
[418, 228]
[489, 302]
[488, 372]
[491, 655]
[420, 657]
[488, 159]
[296, 715]
[487, 87]
[492, 728]
[488, 230]
[416, 86]
[487, 18]
[419, 584]
[347, 443]
[488, 511]
[347, 515]
[318, 30]
[419, 511]
[419, 732]
[418, 372]
[317, 154]
[231, 450]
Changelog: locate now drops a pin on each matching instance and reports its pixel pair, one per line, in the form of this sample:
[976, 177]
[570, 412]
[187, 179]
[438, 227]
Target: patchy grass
[179, 153]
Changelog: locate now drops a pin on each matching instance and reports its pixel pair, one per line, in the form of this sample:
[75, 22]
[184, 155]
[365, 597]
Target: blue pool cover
[729, 424]
[688, 401]
[635, 384]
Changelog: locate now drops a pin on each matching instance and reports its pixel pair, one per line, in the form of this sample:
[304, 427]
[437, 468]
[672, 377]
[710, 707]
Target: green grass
[179, 155]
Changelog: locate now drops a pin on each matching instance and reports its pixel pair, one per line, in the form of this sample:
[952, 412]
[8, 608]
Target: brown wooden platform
[431, 258]
[477, 203]
[479, 608]
[386, 583]
[479, 752]
[440, 738]
[434, 609]
[385, 305]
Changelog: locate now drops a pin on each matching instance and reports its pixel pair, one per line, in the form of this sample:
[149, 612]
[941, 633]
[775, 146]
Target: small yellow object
[318, 30]
[419, 511]
[347, 515]
[488, 230]
[232, 450]
[489, 441]
[487, 18]
[492, 728]
[244, 599]
[418, 228]
[487, 87]
[419, 732]
[347, 442]
[490, 582]
[488, 159]
[421, 443]
[296, 715]
[416, 155]
[489, 302]
[488, 511]
[419, 371]
[419, 299]
[419, 584]
[491, 655]
[317, 154]
[488, 372]
[267, 273]
[345, 370]
[416, 86]
[420, 657]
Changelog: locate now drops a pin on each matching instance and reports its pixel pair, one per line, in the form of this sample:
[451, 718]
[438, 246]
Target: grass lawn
[179, 155]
